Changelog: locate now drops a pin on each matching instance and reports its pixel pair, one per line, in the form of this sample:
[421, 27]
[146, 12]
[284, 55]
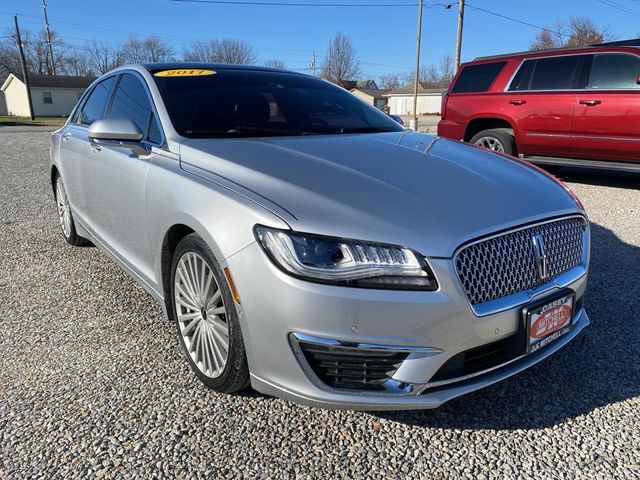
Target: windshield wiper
[366, 130]
[246, 132]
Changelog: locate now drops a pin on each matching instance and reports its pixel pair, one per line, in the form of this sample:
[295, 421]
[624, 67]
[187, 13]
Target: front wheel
[496, 139]
[206, 318]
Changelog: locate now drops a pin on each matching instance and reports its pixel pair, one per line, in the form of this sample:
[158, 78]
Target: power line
[620, 7]
[296, 4]
[522, 22]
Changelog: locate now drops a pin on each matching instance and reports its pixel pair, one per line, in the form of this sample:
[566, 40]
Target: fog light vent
[351, 368]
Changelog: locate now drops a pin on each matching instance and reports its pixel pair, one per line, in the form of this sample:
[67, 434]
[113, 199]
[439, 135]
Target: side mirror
[117, 132]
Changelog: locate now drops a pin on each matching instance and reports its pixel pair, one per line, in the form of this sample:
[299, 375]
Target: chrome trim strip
[617, 139]
[328, 342]
[554, 135]
[520, 298]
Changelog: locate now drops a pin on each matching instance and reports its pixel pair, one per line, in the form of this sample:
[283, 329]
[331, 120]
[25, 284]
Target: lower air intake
[351, 368]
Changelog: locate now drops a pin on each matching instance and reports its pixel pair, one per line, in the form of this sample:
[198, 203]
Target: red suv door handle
[517, 102]
[590, 103]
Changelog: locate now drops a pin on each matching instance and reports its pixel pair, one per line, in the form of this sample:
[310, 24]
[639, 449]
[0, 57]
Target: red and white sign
[546, 323]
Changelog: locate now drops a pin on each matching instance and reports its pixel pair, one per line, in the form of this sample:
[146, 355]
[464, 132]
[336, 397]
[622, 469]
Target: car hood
[404, 188]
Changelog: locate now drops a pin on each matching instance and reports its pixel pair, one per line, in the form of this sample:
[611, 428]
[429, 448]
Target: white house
[400, 101]
[53, 96]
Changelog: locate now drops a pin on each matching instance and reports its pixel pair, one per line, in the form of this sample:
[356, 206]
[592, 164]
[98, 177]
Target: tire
[496, 139]
[65, 215]
[201, 332]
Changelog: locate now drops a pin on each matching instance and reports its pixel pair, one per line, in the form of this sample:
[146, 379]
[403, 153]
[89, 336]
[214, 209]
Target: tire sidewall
[503, 136]
[235, 373]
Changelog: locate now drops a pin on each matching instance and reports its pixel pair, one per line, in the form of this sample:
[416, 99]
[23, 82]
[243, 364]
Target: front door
[117, 179]
[606, 124]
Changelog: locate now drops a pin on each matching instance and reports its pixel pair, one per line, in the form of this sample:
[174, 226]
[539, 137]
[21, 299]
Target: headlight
[346, 262]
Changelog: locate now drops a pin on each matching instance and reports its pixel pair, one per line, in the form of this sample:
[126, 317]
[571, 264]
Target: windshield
[248, 103]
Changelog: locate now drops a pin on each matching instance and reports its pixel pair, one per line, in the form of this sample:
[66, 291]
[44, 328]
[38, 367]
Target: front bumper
[435, 326]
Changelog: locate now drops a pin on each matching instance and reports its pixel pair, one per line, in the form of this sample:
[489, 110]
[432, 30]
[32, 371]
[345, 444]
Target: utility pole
[25, 76]
[459, 42]
[417, 77]
[313, 63]
[52, 70]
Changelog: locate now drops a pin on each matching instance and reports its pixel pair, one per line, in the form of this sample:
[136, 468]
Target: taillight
[443, 109]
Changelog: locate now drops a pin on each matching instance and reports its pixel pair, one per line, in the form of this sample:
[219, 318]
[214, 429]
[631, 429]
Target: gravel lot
[93, 384]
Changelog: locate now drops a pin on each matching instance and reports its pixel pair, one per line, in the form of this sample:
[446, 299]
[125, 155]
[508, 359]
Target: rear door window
[555, 73]
[95, 106]
[477, 78]
[614, 71]
[132, 101]
[522, 79]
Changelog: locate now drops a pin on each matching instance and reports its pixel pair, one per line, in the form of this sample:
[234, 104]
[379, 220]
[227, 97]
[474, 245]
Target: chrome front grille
[508, 263]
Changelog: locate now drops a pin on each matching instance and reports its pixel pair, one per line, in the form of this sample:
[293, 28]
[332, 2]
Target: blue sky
[384, 37]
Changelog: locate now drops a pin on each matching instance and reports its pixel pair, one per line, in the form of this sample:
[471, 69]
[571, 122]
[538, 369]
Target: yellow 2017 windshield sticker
[184, 72]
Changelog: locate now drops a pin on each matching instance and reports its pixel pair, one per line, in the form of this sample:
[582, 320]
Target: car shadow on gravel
[604, 178]
[600, 367]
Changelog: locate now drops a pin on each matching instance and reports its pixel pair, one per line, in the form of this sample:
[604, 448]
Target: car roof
[624, 46]
[152, 67]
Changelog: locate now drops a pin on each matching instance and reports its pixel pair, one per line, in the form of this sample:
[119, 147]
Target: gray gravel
[92, 382]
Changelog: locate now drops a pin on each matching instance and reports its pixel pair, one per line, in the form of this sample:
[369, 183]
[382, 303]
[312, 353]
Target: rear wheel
[65, 216]
[206, 319]
[496, 139]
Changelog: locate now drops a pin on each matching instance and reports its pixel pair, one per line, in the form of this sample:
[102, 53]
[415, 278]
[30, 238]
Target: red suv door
[606, 124]
[540, 101]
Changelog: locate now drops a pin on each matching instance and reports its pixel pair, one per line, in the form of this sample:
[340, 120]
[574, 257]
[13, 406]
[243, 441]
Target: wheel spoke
[187, 330]
[214, 299]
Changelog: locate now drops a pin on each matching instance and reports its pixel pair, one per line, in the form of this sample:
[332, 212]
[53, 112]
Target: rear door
[606, 124]
[117, 179]
[540, 100]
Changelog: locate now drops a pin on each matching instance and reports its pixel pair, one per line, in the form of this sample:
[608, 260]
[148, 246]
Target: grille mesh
[504, 265]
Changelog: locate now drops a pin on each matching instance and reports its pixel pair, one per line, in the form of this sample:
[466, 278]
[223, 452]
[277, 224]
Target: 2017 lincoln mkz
[305, 244]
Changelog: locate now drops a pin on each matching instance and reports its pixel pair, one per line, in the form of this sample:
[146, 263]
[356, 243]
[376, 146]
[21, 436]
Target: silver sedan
[305, 244]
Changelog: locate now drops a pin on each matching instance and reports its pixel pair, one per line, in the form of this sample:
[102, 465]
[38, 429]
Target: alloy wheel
[490, 143]
[64, 211]
[202, 316]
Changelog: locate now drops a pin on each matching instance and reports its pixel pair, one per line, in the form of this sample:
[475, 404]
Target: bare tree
[579, 31]
[102, 58]
[341, 60]
[275, 63]
[584, 31]
[151, 49]
[201, 51]
[391, 81]
[78, 63]
[226, 50]
[446, 70]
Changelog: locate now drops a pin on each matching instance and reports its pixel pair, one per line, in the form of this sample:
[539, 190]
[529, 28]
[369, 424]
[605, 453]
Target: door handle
[66, 136]
[517, 102]
[590, 103]
[95, 148]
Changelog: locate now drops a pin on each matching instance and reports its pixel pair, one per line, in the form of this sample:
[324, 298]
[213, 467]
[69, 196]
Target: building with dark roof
[51, 95]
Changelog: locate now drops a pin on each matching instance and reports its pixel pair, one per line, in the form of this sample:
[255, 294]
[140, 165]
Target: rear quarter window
[477, 78]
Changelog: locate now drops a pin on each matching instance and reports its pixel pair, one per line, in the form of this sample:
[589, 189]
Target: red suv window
[477, 78]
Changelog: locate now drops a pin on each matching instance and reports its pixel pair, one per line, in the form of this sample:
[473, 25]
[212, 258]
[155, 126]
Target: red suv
[578, 106]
